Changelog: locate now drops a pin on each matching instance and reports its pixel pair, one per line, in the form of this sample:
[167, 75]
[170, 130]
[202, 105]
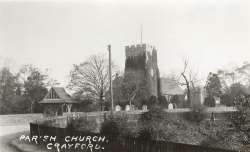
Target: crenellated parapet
[138, 50]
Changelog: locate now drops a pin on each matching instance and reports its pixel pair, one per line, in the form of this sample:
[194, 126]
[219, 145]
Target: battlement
[139, 49]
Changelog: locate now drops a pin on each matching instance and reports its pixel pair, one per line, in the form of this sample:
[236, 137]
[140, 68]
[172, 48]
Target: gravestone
[217, 101]
[127, 108]
[117, 108]
[170, 106]
[144, 108]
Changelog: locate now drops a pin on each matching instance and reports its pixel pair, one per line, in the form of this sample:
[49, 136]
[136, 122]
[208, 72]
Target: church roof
[170, 87]
[57, 95]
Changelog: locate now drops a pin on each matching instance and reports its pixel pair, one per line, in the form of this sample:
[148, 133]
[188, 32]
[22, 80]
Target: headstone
[217, 100]
[202, 95]
[170, 106]
[186, 97]
[127, 108]
[74, 116]
[117, 108]
[144, 108]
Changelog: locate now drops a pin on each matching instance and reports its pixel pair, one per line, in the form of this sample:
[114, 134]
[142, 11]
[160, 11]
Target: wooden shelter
[56, 102]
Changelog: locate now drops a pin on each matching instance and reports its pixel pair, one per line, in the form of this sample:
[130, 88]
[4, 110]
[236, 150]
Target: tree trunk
[102, 103]
[188, 95]
[31, 105]
[131, 99]
[188, 90]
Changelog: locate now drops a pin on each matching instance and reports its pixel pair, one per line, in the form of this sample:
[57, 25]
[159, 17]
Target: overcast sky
[210, 33]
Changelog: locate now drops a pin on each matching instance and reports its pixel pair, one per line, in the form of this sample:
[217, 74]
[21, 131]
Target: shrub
[163, 101]
[227, 99]
[82, 124]
[123, 127]
[154, 114]
[209, 101]
[177, 101]
[220, 137]
[197, 114]
[110, 129]
[126, 127]
[241, 118]
[144, 135]
[154, 123]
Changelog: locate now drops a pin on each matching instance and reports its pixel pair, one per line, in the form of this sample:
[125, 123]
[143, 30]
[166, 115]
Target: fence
[115, 145]
[136, 145]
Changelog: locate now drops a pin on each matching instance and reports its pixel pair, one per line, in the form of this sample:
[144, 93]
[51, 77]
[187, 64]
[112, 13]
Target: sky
[54, 35]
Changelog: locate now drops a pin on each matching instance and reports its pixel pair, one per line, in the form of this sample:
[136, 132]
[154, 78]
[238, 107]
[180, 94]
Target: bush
[197, 114]
[121, 125]
[220, 137]
[145, 135]
[82, 124]
[154, 114]
[209, 101]
[126, 127]
[163, 101]
[177, 100]
[159, 125]
[153, 122]
[241, 118]
[227, 99]
[110, 129]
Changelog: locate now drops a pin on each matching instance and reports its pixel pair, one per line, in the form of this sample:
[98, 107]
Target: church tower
[141, 60]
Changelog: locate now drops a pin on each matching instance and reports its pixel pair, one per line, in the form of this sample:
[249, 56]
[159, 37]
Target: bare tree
[90, 78]
[190, 80]
[187, 82]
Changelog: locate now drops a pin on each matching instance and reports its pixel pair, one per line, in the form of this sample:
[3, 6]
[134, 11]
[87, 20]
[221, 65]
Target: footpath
[26, 147]
[23, 146]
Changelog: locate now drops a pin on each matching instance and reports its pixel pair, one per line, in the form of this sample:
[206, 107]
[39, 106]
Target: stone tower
[141, 60]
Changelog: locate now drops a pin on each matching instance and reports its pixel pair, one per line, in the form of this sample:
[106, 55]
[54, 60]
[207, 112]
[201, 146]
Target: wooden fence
[115, 145]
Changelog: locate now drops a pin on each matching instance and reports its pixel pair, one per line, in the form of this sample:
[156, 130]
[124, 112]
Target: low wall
[19, 119]
[218, 112]
[207, 109]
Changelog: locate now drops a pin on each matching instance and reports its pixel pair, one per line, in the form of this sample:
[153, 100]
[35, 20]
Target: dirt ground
[5, 140]
[11, 127]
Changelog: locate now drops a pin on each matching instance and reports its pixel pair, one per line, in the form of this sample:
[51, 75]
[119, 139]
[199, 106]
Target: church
[140, 64]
